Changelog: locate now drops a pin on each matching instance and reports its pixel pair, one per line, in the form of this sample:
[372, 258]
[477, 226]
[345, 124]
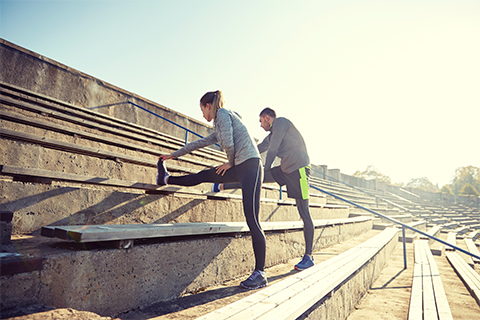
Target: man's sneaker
[215, 187]
[162, 173]
[306, 263]
[257, 280]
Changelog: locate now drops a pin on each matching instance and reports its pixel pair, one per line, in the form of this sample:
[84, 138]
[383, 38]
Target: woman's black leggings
[250, 176]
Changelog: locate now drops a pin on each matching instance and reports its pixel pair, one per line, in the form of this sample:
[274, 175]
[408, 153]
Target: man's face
[264, 122]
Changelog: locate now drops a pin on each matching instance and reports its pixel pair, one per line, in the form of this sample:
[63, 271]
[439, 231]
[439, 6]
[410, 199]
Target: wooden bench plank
[443, 308]
[429, 307]
[415, 311]
[468, 275]
[473, 235]
[293, 296]
[301, 302]
[97, 233]
[433, 232]
[452, 239]
[472, 248]
[258, 304]
[287, 284]
[427, 287]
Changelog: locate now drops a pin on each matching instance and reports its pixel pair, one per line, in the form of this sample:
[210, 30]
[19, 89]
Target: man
[286, 142]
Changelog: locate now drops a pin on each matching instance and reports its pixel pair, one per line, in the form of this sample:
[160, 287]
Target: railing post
[280, 193]
[186, 137]
[404, 249]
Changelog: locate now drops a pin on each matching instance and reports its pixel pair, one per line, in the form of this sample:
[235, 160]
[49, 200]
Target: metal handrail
[397, 222]
[386, 217]
[170, 121]
[349, 185]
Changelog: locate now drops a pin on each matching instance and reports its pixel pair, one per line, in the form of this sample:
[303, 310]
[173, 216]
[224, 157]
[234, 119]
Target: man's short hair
[268, 112]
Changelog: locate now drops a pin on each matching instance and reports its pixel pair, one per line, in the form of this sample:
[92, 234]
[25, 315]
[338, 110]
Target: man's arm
[263, 146]
[278, 134]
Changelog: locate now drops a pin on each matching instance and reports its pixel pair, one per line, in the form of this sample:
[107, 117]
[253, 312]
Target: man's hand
[222, 168]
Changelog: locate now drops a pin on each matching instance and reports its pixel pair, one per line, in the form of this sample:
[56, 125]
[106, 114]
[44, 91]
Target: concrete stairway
[60, 193]
[65, 167]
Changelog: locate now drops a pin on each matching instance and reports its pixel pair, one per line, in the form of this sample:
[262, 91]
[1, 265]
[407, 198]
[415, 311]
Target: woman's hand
[222, 168]
[165, 157]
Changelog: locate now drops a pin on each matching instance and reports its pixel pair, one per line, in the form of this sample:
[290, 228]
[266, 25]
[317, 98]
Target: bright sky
[394, 84]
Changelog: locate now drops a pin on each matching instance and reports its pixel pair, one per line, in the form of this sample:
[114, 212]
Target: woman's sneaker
[215, 187]
[306, 263]
[162, 173]
[258, 279]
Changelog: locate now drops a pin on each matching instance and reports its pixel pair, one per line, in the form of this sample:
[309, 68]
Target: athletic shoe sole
[253, 288]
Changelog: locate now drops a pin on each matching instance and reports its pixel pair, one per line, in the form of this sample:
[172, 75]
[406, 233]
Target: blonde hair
[215, 98]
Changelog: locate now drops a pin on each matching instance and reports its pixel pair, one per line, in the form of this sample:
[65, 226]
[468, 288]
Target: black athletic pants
[302, 207]
[250, 176]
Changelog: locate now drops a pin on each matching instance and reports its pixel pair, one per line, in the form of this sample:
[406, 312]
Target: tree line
[466, 181]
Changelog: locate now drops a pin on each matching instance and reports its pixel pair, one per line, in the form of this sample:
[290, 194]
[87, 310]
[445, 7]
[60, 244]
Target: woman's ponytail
[218, 102]
[215, 98]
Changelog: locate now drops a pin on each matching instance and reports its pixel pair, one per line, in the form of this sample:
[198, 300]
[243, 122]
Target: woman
[244, 166]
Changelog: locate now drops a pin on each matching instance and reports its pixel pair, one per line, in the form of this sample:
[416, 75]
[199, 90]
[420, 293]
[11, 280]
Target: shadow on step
[201, 297]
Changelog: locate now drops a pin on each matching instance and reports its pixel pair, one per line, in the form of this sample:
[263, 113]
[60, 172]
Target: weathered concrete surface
[62, 203]
[34, 72]
[5, 232]
[111, 281]
[389, 296]
[346, 296]
[37, 205]
[61, 314]
[190, 307]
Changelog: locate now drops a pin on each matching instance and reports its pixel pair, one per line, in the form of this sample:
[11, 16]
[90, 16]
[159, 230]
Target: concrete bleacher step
[47, 176]
[345, 191]
[90, 136]
[72, 274]
[382, 225]
[292, 297]
[69, 113]
[158, 270]
[106, 133]
[94, 152]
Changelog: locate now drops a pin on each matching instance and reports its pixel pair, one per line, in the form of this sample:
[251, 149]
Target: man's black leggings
[250, 176]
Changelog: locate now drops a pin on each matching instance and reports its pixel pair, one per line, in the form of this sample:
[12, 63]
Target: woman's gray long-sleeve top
[231, 134]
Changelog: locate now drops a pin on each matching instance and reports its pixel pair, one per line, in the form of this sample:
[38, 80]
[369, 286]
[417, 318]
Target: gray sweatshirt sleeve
[224, 130]
[263, 146]
[277, 136]
[194, 145]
